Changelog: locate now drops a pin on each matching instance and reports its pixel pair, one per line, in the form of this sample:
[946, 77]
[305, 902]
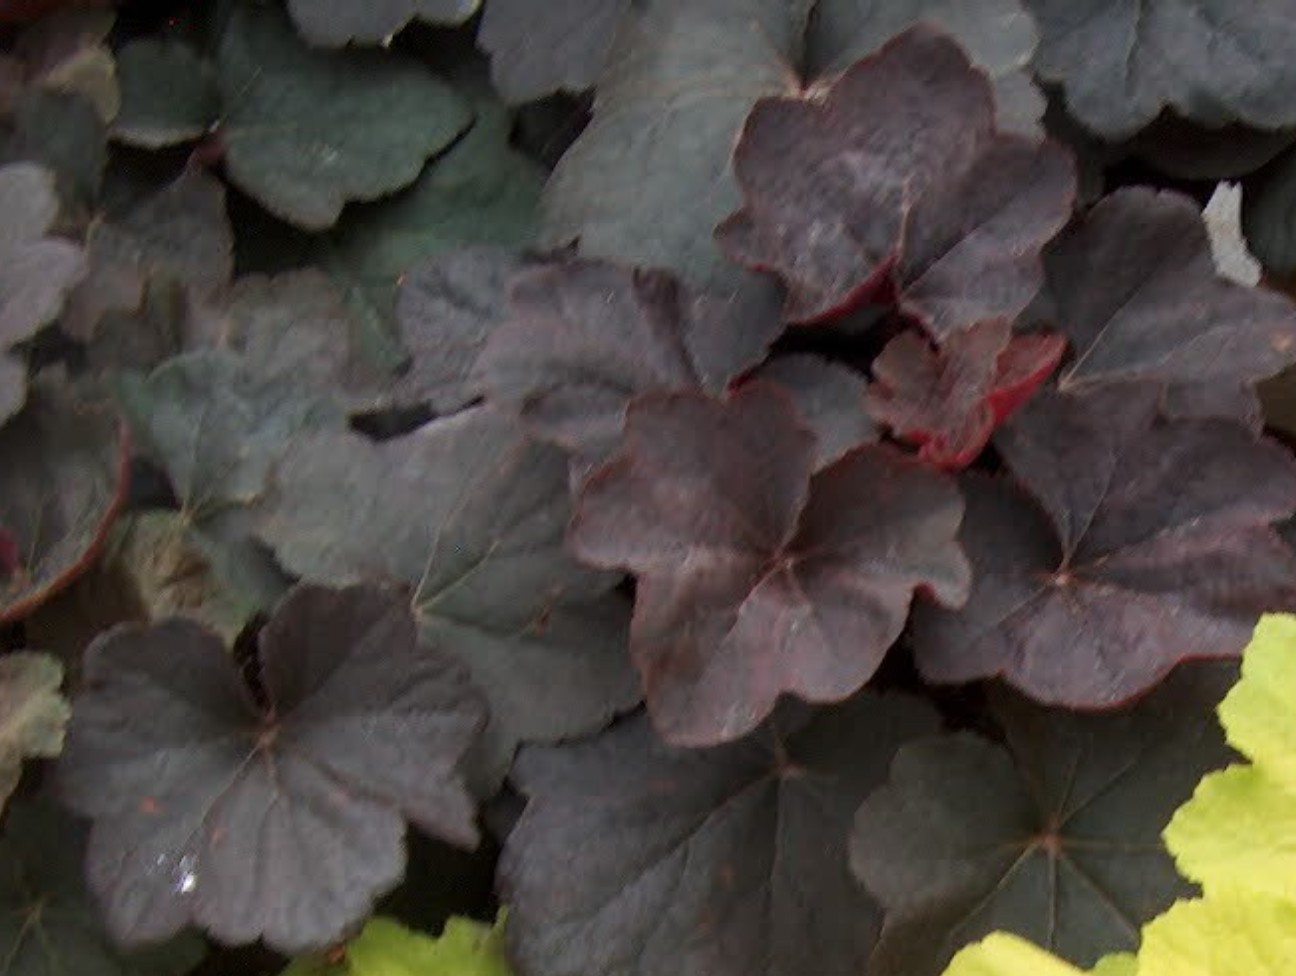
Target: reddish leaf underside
[895, 184]
[756, 579]
[1148, 542]
[947, 400]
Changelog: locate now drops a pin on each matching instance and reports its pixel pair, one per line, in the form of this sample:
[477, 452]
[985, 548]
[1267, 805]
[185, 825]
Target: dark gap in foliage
[246, 656]
[386, 425]
[150, 487]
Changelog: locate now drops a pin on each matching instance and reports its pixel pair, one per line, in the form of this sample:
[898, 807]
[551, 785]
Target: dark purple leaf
[1150, 544]
[584, 338]
[1056, 838]
[755, 580]
[538, 49]
[1121, 64]
[948, 399]
[1134, 287]
[829, 397]
[63, 480]
[895, 181]
[636, 857]
[469, 514]
[281, 823]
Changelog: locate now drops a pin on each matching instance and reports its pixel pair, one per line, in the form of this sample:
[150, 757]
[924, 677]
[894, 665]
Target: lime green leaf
[1229, 933]
[1002, 954]
[1118, 964]
[305, 131]
[1237, 828]
[386, 948]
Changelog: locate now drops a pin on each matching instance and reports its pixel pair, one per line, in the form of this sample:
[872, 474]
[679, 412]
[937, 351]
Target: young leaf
[830, 399]
[1055, 838]
[650, 177]
[169, 94]
[32, 714]
[636, 857]
[538, 49]
[36, 271]
[1121, 64]
[281, 822]
[63, 481]
[333, 23]
[1136, 290]
[1233, 833]
[948, 399]
[998, 35]
[1151, 544]
[48, 925]
[387, 948]
[470, 514]
[754, 579]
[307, 131]
[896, 181]
[584, 338]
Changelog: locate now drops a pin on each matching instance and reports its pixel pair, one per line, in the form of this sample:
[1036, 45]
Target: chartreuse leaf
[1237, 830]
[32, 714]
[278, 812]
[1002, 954]
[387, 948]
[635, 857]
[49, 925]
[306, 131]
[1230, 932]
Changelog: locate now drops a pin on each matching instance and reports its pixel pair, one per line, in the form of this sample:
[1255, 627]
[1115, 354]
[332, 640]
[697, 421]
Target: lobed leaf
[633, 856]
[387, 948]
[284, 821]
[830, 399]
[169, 94]
[895, 181]
[754, 579]
[1229, 933]
[334, 23]
[1055, 838]
[1147, 543]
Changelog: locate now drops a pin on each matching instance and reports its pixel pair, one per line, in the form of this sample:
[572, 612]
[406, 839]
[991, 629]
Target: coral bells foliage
[839, 537]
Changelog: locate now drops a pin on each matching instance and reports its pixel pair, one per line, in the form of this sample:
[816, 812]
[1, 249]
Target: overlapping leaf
[1232, 933]
[284, 821]
[636, 857]
[36, 271]
[471, 515]
[1001, 954]
[1135, 289]
[48, 925]
[948, 399]
[62, 483]
[1055, 838]
[754, 579]
[830, 399]
[1151, 543]
[67, 52]
[169, 94]
[387, 948]
[896, 182]
[540, 49]
[333, 23]
[64, 134]
[32, 714]
[584, 337]
[1121, 64]
[307, 131]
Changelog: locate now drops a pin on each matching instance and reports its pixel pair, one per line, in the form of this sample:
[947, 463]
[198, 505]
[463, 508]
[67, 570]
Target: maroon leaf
[585, 337]
[756, 580]
[1151, 544]
[1135, 288]
[896, 182]
[63, 481]
[633, 857]
[283, 822]
[948, 399]
[829, 397]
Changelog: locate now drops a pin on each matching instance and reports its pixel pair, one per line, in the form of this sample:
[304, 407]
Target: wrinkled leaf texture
[757, 577]
[280, 822]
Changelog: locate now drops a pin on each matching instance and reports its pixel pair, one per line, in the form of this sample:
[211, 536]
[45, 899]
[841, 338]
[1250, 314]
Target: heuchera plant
[796, 510]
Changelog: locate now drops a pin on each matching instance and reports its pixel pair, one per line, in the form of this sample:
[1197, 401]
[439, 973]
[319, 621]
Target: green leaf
[65, 134]
[333, 23]
[307, 131]
[387, 948]
[1001, 954]
[169, 94]
[48, 924]
[1236, 831]
[1056, 838]
[32, 714]
[1228, 933]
